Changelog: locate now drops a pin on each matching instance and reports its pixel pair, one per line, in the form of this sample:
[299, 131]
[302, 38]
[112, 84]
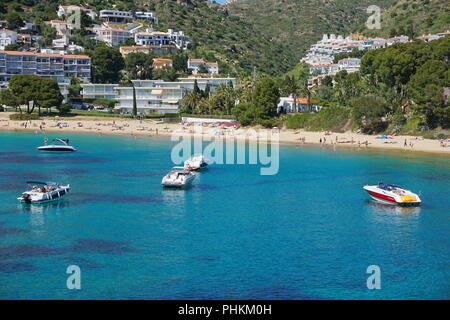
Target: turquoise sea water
[309, 232]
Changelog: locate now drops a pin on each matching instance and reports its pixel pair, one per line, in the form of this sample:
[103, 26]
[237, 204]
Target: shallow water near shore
[308, 232]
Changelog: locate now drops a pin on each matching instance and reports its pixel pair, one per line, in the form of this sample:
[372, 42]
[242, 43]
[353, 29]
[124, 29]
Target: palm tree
[306, 91]
[190, 102]
[292, 88]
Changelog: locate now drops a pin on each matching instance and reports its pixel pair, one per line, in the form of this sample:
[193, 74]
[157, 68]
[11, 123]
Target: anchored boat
[59, 145]
[392, 194]
[195, 163]
[178, 177]
[42, 192]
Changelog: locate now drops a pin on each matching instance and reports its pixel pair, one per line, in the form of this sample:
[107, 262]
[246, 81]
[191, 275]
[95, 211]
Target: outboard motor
[26, 198]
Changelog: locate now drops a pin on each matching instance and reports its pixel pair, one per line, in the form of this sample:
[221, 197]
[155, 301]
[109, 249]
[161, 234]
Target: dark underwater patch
[277, 292]
[28, 251]
[138, 174]
[100, 246]
[12, 267]
[53, 158]
[73, 170]
[115, 198]
[9, 231]
[81, 262]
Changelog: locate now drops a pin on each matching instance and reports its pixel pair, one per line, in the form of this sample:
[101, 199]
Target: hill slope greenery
[269, 35]
[295, 25]
[413, 18]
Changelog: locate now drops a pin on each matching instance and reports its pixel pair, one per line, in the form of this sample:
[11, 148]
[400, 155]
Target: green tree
[368, 113]
[14, 21]
[12, 47]
[107, 62]
[42, 91]
[426, 88]
[138, 65]
[266, 97]
[9, 99]
[180, 62]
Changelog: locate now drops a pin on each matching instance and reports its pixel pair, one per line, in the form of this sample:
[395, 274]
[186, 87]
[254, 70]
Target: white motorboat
[59, 145]
[42, 192]
[178, 177]
[195, 163]
[392, 194]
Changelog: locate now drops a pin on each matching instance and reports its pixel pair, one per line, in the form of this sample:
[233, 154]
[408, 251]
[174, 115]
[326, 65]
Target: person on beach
[320, 140]
[405, 144]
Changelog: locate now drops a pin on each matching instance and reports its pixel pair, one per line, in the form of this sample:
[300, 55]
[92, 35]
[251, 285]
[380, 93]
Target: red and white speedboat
[391, 194]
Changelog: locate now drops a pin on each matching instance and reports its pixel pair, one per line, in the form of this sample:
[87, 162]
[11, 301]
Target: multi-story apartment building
[54, 66]
[66, 10]
[7, 37]
[211, 67]
[152, 96]
[349, 64]
[99, 91]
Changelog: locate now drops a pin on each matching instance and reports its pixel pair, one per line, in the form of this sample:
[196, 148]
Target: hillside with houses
[199, 57]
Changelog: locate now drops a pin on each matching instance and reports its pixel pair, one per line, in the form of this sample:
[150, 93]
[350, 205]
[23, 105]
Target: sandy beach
[104, 125]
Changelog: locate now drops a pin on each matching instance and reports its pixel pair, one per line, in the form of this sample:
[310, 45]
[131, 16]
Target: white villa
[288, 105]
[61, 27]
[112, 36]
[7, 37]
[146, 16]
[119, 17]
[211, 67]
[65, 10]
[152, 38]
[116, 16]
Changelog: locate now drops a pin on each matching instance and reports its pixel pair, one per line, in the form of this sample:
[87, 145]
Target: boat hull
[391, 198]
[49, 197]
[56, 148]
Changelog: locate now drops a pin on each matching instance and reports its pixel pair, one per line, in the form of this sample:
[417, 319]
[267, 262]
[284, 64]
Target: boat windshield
[388, 187]
[62, 141]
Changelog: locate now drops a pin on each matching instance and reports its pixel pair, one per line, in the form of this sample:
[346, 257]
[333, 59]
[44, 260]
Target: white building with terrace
[152, 96]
